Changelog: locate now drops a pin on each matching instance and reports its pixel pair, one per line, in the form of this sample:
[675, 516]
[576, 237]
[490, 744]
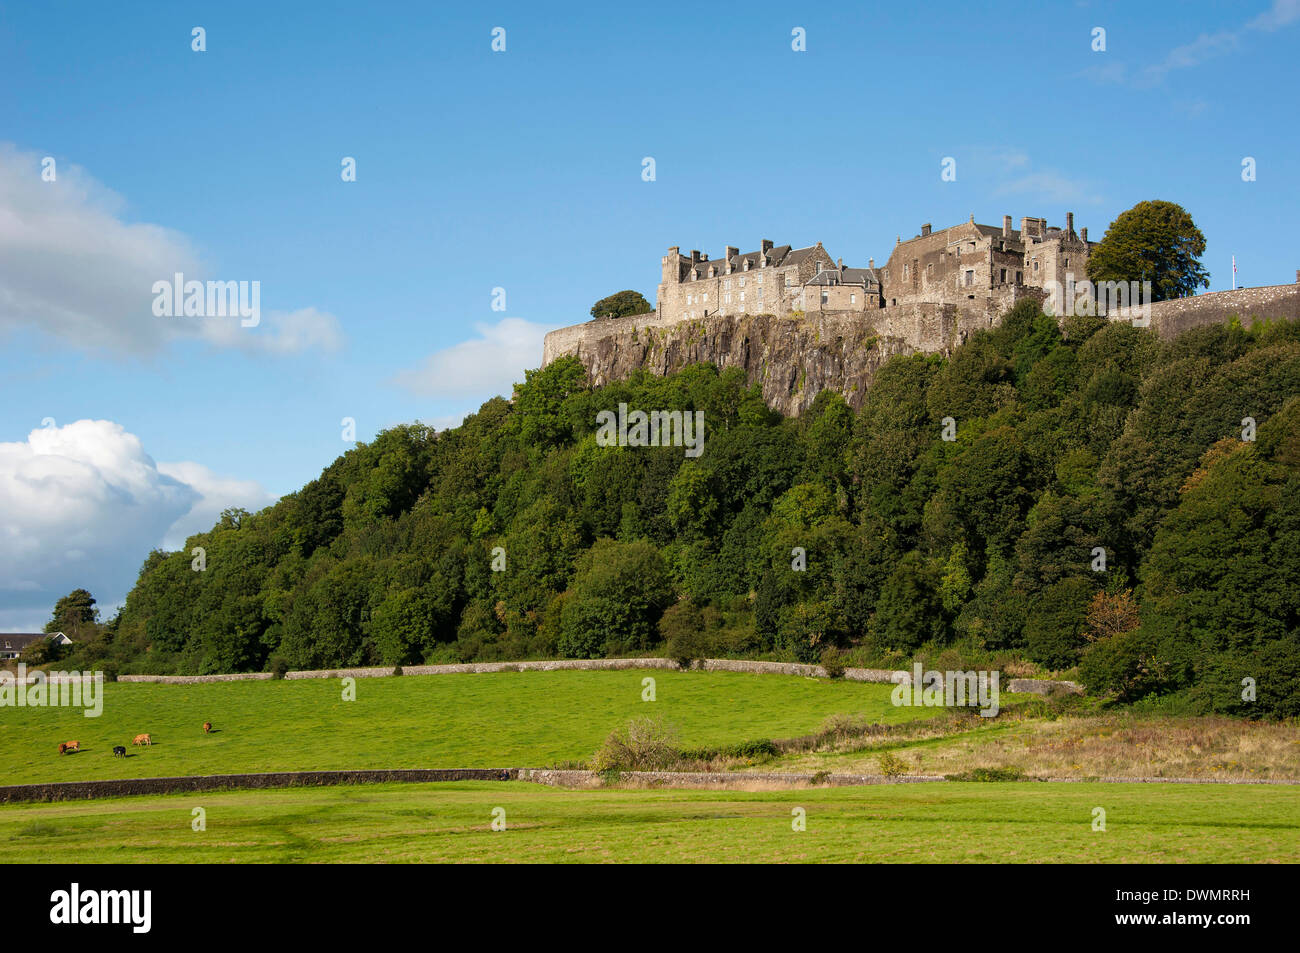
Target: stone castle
[971, 268]
[799, 322]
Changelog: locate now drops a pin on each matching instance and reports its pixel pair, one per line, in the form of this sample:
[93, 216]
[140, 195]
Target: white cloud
[216, 493]
[83, 504]
[1208, 46]
[481, 367]
[72, 266]
[1051, 187]
[1282, 13]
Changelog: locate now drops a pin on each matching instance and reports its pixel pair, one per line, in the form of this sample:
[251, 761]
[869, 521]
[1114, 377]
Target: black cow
[119, 751]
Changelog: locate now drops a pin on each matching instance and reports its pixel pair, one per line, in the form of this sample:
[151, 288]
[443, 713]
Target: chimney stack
[925, 229]
[765, 246]
[1006, 226]
[1083, 234]
[839, 263]
[1069, 224]
[871, 263]
[695, 256]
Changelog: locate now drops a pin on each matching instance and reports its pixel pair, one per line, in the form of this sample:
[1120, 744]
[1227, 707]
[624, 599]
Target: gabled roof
[17, 641]
[779, 255]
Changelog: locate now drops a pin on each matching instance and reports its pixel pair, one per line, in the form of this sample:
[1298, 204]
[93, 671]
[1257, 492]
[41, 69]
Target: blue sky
[521, 170]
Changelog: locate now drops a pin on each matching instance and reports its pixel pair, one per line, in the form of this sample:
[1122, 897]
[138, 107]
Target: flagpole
[1234, 272]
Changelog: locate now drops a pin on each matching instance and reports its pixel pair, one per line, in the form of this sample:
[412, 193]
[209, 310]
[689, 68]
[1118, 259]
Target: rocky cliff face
[792, 357]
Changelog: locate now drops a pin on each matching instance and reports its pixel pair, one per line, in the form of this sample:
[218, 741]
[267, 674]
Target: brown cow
[73, 746]
[207, 727]
[142, 740]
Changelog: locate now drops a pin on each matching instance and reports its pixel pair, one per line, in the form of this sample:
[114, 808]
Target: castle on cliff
[969, 267]
[799, 321]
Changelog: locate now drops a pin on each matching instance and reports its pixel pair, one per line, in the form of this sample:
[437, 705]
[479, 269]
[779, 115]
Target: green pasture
[934, 822]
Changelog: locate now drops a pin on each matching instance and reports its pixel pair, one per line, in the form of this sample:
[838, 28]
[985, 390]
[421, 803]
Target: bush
[833, 662]
[279, 666]
[891, 765]
[685, 640]
[988, 774]
[646, 744]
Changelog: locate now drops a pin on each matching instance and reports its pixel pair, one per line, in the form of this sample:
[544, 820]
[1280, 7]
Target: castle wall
[1171, 318]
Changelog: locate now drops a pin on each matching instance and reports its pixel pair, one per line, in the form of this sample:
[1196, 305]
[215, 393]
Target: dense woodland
[980, 549]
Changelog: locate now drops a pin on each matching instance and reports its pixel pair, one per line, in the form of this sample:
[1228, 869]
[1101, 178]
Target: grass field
[1086, 745]
[510, 719]
[952, 822]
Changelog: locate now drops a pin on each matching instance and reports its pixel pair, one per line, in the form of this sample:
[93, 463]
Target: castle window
[759, 281]
[823, 297]
[1020, 276]
[1003, 276]
[1035, 264]
[742, 282]
[853, 299]
[905, 272]
[970, 278]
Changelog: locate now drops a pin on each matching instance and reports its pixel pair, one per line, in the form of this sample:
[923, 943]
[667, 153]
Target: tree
[1156, 242]
[72, 613]
[621, 304]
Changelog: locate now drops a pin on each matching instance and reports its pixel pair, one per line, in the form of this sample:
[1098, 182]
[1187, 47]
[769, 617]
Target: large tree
[72, 613]
[620, 304]
[1156, 242]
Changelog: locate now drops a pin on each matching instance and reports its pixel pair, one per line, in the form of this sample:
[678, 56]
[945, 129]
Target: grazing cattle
[207, 727]
[119, 751]
[62, 748]
[73, 746]
[142, 740]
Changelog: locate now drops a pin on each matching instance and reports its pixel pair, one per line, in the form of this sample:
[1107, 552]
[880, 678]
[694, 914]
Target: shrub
[682, 627]
[279, 666]
[988, 774]
[646, 744]
[891, 765]
[833, 662]
[397, 670]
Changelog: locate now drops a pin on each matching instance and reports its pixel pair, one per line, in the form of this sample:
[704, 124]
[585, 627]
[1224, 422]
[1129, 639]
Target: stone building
[975, 269]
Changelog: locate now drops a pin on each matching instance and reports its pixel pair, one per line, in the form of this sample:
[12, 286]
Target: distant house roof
[12, 643]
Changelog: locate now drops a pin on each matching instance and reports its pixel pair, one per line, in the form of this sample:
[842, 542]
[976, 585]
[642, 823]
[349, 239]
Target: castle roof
[865, 277]
[779, 255]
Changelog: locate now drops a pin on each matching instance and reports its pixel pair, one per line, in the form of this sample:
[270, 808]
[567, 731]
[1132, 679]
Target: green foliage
[1156, 242]
[839, 534]
[646, 744]
[621, 304]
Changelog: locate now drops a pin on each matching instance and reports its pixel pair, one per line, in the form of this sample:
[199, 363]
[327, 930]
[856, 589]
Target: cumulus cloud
[72, 266]
[83, 504]
[481, 367]
[216, 493]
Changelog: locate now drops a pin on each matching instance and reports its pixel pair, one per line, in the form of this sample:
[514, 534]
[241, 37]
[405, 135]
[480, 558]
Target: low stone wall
[122, 787]
[199, 679]
[713, 779]
[1035, 686]
[1043, 686]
